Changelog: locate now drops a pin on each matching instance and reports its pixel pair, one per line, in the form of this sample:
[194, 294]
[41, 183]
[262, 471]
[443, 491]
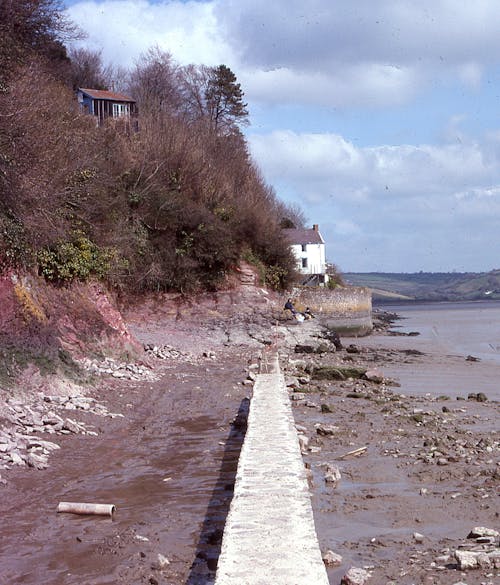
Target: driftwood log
[83, 508]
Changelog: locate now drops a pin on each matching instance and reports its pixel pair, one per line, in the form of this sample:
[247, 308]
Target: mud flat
[426, 475]
[426, 472]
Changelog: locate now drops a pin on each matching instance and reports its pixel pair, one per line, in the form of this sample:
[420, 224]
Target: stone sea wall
[348, 310]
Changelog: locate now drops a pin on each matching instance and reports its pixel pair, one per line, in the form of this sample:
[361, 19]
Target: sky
[379, 118]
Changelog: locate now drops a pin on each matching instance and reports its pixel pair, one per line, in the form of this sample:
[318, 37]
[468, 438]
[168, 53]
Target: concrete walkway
[269, 537]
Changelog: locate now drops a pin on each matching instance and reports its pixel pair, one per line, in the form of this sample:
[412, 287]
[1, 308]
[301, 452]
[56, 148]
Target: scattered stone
[481, 531]
[326, 408]
[332, 559]
[291, 382]
[417, 537]
[16, 458]
[127, 371]
[314, 348]
[355, 576]
[478, 397]
[71, 426]
[304, 443]
[352, 348]
[332, 473]
[466, 559]
[326, 430]
[374, 375]
[337, 373]
[37, 461]
[471, 358]
[160, 563]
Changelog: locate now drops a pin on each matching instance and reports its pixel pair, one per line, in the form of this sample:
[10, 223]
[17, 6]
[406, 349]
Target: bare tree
[194, 81]
[32, 27]
[87, 69]
[154, 82]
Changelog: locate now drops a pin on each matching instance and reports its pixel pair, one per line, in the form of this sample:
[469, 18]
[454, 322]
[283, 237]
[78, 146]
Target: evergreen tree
[224, 100]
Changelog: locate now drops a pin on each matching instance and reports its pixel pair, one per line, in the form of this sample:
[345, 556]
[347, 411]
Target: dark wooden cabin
[105, 104]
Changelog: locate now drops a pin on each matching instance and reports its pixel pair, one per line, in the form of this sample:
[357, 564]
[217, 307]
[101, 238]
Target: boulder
[466, 559]
[332, 559]
[332, 474]
[374, 375]
[480, 531]
[292, 382]
[326, 430]
[314, 348]
[352, 348]
[355, 576]
[304, 443]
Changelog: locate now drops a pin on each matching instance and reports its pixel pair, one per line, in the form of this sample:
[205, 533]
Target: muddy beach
[426, 475]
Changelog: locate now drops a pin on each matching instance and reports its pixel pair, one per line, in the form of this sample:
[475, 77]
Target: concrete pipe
[81, 508]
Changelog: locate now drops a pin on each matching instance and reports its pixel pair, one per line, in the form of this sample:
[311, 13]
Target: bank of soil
[430, 465]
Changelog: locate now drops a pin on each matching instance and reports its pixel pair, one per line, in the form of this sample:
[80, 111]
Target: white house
[308, 248]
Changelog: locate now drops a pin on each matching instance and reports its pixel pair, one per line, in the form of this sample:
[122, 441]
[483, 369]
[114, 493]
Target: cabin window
[303, 247]
[120, 110]
[304, 262]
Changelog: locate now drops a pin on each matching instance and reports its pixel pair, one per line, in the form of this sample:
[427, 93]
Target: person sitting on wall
[308, 314]
[289, 307]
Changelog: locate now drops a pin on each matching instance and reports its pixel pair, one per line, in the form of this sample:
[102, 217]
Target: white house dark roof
[101, 94]
[303, 236]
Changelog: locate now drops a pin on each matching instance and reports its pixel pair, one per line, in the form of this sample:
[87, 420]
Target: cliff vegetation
[169, 202]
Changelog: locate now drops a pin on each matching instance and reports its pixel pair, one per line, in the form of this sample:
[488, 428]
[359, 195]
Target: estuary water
[448, 334]
[458, 328]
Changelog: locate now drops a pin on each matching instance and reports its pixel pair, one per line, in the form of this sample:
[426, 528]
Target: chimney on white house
[315, 227]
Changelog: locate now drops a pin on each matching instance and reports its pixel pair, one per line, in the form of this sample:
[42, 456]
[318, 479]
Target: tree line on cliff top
[172, 205]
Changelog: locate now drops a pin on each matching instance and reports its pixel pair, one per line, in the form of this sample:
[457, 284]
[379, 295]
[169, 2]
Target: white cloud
[123, 29]
[374, 85]
[321, 34]
[471, 74]
[412, 195]
[362, 46]
[340, 53]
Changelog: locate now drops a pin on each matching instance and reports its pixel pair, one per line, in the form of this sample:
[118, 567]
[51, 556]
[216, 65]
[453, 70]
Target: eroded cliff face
[43, 326]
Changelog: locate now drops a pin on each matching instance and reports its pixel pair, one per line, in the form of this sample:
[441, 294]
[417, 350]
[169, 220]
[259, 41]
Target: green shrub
[276, 277]
[248, 255]
[78, 259]
[14, 250]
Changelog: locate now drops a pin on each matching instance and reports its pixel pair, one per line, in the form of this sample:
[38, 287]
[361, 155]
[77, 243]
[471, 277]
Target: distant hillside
[428, 286]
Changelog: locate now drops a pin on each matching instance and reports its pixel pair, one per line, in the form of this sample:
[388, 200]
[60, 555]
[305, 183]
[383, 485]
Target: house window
[304, 262]
[303, 247]
[120, 110]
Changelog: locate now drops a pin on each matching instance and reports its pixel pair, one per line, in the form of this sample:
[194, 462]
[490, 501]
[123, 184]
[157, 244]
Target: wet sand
[169, 466]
